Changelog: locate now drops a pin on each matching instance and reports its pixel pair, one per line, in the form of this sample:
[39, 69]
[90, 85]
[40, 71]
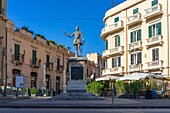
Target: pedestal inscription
[76, 73]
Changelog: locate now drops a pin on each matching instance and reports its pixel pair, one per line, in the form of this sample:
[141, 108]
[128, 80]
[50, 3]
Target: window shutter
[150, 31]
[132, 58]
[131, 37]
[154, 2]
[118, 40]
[47, 61]
[116, 44]
[153, 54]
[159, 28]
[135, 11]
[58, 64]
[106, 44]
[139, 58]
[34, 56]
[17, 49]
[116, 19]
[139, 34]
[157, 54]
[119, 61]
[113, 65]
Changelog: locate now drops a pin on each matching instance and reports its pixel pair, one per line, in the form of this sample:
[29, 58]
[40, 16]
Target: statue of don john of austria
[78, 42]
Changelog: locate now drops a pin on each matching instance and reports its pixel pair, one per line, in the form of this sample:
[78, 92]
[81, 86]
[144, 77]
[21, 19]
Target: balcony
[135, 45]
[153, 11]
[35, 63]
[135, 68]
[110, 52]
[18, 59]
[136, 18]
[156, 40]
[113, 71]
[111, 28]
[155, 65]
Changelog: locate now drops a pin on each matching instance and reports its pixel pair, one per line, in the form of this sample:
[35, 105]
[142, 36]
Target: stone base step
[77, 96]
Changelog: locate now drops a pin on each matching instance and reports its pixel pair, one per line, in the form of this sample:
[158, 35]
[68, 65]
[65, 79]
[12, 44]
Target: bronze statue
[77, 41]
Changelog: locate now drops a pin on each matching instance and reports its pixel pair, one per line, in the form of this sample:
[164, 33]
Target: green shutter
[135, 11]
[106, 44]
[132, 58]
[17, 49]
[159, 28]
[118, 37]
[116, 19]
[131, 37]
[119, 61]
[112, 62]
[154, 2]
[153, 54]
[58, 64]
[150, 31]
[116, 44]
[34, 56]
[47, 61]
[139, 34]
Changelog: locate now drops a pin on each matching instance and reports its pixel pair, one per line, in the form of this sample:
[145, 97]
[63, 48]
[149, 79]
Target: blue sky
[51, 17]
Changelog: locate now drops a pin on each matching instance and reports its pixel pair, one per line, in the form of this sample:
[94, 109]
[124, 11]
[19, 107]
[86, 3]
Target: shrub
[120, 88]
[33, 90]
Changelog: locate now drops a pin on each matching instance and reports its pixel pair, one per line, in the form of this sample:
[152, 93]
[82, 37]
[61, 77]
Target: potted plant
[33, 91]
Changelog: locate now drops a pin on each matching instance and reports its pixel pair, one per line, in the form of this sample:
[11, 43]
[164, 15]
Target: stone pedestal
[76, 89]
[77, 82]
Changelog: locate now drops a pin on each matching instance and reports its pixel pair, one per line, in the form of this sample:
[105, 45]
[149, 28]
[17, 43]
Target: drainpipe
[168, 33]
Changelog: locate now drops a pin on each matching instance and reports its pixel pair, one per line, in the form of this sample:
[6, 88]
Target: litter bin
[53, 93]
[148, 94]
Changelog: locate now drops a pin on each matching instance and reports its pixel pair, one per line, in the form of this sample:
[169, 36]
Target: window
[106, 44]
[116, 19]
[117, 40]
[17, 52]
[154, 2]
[58, 64]
[34, 57]
[135, 36]
[67, 66]
[136, 58]
[116, 62]
[135, 11]
[155, 30]
[155, 54]
[47, 61]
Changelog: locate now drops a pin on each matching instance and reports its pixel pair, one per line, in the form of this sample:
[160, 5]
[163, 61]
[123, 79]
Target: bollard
[112, 96]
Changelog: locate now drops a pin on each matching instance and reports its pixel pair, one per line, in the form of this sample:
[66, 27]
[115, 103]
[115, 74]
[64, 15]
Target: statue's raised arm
[68, 34]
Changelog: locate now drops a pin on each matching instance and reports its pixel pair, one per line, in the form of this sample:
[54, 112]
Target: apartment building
[3, 20]
[136, 34]
[26, 55]
[97, 59]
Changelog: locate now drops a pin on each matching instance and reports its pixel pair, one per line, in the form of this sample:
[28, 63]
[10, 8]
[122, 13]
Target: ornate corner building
[137, 38]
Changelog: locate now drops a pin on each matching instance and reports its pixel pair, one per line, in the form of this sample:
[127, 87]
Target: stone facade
[2, 41]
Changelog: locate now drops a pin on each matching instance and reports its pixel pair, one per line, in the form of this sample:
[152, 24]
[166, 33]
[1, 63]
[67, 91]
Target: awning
[106, 78]
[137, 76]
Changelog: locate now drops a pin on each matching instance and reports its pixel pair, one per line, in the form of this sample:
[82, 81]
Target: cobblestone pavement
[46, 101]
